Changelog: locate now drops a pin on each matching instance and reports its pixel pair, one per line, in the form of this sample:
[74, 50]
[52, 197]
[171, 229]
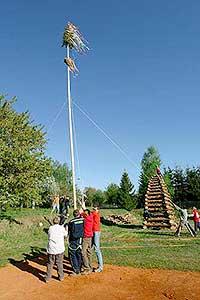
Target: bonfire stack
[157, 202]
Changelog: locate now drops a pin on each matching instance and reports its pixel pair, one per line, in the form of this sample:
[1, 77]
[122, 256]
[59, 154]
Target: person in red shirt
[87, 241]
[196, 219]
[96, 237]
[158, 172]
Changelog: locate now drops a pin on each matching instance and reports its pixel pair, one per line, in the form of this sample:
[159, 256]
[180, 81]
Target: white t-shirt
[56, 244]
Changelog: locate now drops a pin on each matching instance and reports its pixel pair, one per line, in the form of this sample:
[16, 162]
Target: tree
[112, 194]
[192, 187]
[99, 198]
[94, 196]
[179, 184]
[127, 199]
[150, 160]
[63, 177]
[168, 179]
[89, 192]
[22, 161]
[48, 189]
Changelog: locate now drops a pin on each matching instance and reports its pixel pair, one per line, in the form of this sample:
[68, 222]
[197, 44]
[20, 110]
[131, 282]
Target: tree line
[28, 177]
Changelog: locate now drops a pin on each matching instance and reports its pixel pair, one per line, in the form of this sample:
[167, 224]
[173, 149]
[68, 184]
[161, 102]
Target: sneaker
[74, 274]
[98, 270]
[86, 272]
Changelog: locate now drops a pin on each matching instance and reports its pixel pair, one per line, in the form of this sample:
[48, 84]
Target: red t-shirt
[195, 215]
[96, 221]
[158, 171]
[88, 225]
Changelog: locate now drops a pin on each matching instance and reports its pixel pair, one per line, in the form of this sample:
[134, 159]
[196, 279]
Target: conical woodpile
[157, 202]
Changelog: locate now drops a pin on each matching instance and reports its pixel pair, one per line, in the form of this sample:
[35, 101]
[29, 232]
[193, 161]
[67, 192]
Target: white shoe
[98, 270]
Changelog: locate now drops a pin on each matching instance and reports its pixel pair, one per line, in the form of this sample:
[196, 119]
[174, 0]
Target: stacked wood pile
[119, 219]
[157, 202]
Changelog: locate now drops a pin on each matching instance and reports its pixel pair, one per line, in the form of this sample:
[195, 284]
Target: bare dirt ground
[24, 280]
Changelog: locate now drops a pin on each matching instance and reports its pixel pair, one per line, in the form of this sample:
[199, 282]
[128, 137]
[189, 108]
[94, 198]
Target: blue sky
[139, 82]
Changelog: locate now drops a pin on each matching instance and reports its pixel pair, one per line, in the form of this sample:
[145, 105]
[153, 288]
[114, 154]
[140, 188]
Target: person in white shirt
[55, 249]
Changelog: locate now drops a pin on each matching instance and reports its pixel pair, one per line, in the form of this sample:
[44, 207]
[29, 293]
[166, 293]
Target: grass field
[127, 245]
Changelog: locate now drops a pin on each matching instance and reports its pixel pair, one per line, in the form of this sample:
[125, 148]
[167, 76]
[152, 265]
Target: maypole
[72, 39]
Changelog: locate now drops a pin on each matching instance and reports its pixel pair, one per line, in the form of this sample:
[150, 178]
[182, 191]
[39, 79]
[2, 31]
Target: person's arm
[65, 231]
[81, 211]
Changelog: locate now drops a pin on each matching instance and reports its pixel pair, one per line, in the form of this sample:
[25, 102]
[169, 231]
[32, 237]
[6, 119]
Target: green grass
[121, 245]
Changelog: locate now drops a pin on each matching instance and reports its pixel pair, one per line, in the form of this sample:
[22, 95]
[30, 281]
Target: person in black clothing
[146, 213]
[61, 201]
[76, 233]
[64, 209]
[66, 206]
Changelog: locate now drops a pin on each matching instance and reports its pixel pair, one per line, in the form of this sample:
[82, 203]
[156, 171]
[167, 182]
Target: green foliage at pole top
[73, 39]
[22, 161]
[68, 38]
[150, 160]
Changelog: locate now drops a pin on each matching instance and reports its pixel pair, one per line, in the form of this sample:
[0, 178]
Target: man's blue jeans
[96, 244]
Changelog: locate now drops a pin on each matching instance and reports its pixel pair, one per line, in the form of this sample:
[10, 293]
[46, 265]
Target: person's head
[76, 213]
[96, 206]
[87, 212]
[56, 220]
[194, 208]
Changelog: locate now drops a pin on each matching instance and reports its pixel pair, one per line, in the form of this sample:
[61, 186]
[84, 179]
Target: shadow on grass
[10, 219]
[38, 256]
[128, 226]
[156, 232]
[139, 228]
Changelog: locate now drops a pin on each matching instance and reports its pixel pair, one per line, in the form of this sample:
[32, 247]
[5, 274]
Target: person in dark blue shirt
[76, 233]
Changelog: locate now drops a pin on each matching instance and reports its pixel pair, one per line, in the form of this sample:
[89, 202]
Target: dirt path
[23, 280]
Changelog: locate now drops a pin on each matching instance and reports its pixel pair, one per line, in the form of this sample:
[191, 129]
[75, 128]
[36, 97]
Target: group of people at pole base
[83, 232]
[61, 205]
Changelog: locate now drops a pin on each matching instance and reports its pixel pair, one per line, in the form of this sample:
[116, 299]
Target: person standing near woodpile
[196, 219]
[183, 221]
[146, 213]
[158, 172]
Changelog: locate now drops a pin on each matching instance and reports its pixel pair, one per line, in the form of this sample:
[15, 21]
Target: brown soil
[24, 280]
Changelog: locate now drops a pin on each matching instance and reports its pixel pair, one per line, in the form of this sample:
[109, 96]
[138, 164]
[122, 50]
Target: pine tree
[127, 193]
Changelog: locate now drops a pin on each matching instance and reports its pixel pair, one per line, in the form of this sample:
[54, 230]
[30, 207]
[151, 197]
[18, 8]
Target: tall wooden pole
[71, 132]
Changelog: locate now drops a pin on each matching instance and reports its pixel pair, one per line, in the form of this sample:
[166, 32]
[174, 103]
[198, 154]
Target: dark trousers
[75, 257]
[196, 226]
[58, 260]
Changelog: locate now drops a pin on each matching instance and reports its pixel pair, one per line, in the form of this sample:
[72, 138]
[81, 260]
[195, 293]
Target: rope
[56, 117]
[98, 127]
[107, 136]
